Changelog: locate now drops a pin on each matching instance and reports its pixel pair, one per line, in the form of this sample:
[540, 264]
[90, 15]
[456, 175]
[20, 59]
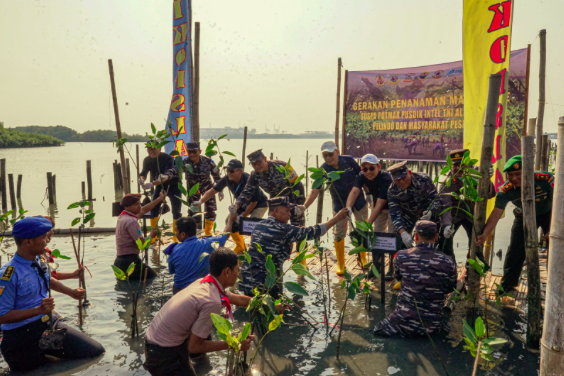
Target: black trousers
[447, 245]
[123, 263]
[20, 346]
[168, 361]
[515, 257]
[173, 194]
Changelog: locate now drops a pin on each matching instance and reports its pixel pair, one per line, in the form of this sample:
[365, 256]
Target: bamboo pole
[3, 185]
[89, 179]
[50, 188]
[19, 189]
[306, 174]
[531, 244]
[319, 217]
[244, 148]
[343, 134]
[540, 114]
[196, 100]
[137, 167]
[483, 186]
[83, 190]
[12, 192]
[527, 75]
[552, 343]
[544, 153]
[339, 65]
[118, 127]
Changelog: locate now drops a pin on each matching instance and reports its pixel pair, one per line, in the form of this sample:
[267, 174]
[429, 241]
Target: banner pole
[343, 151]
[339, 64]
[540, 114]
[527, 75]
[196, 109]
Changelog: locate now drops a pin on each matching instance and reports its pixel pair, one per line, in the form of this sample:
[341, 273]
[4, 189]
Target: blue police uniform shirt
[21, 287]
[345, 184]
[183, 259]
[378, 187]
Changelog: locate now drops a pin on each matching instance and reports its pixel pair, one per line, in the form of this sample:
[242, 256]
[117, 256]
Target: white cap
[329, 146]
[370, 158]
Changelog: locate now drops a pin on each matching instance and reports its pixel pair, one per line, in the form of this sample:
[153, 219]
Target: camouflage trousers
[404, 321]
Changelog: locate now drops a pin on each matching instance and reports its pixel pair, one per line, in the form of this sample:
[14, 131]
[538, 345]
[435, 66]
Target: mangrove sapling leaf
[203, 256]
[221, 324]
[270, 265]
[229, 153]
[75, 221]
[56, 253]
[356, 250]
[182, 189]
[194, 190]
[299, 269]
[317, 183]
[73, 206]
[247, 257]
[295, 288]
[189, 168]
[274, 324]
[469, 332]
[334, 175]
[245, 333]
[494, 341]
[88, 218]
[374, 271]
[259, 248]
[297, 193]
[270, 304]
[477, 267]
[153, 128]
[130, 269]
[119, 273]
[480, 330]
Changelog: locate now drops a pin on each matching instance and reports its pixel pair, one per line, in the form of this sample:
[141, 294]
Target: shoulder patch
[8, 273]
[1, 290]
[43, 258]
[506, 187]
[542, 176]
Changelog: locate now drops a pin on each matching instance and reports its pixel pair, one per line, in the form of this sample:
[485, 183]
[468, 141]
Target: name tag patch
[8, 273]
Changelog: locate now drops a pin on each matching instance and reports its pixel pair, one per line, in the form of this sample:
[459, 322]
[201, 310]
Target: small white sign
[249, 226]
[385, 243]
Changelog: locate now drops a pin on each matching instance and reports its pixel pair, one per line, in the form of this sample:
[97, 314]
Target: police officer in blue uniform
[25, 303]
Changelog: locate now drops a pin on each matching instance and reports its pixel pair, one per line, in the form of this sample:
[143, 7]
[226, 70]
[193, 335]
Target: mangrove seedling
[292, 177]
[87, 214]
[225, 332]
[478, 342]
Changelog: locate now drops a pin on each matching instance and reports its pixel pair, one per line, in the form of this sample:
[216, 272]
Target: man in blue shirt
[25, 303]
[340, 190]
[184, 257]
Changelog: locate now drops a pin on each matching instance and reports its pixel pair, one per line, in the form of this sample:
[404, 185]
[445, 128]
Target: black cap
[255, 156]
[280, 201]
[234, 164]
[194, 145]
[426, 229]
[457, 155]
[399, 170]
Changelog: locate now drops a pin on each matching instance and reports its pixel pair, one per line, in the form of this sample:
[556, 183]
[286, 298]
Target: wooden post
[244, 147]
[319, 218]
[488, 246]
[552, 344]
[531, 243]
[120, 177]
[339, 65]
[12, 192]
[54, 184]
[89, 179]
[19, 189]
[343, 149]
[3, 185]
[118, 126]
[544, 153]
[83, 190]
[128, 170]
[50, 188]
[196, 92]
[307, 173]
[528, 72]
[483, 187]
[271, 156]
[137, 167]
[540, 114]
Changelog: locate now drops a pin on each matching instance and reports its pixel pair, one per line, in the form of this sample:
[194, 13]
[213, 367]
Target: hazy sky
[262, 62]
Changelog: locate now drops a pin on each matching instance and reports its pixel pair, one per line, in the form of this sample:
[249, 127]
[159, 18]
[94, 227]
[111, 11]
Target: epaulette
[542, 176]
[506, 187]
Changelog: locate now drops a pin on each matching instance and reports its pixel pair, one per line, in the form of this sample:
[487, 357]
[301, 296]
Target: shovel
[52, 339]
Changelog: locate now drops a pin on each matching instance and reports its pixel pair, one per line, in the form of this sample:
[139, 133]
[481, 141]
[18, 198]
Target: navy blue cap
[31, 227]
[234, 164]
[427, 229]
[399, 170]
[280, 201]
[255, 156]
[193, 145]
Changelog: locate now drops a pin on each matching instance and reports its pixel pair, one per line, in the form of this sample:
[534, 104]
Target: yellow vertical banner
[486, 50]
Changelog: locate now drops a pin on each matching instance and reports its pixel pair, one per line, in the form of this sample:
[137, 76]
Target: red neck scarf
[129, 214]
[224, 299]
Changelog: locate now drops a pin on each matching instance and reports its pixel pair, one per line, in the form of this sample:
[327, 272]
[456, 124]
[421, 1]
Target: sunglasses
[328, 154]
[256, 163]
[366, 169]
[232, 171]
[193, 151]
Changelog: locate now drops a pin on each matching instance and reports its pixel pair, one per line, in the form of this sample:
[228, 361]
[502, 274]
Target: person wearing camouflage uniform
[427, 276]
[275, 237]
[409, 199]
[203, 169]
[273, 182]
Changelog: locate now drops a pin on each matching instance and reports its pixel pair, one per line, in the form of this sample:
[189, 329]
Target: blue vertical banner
[180, 111]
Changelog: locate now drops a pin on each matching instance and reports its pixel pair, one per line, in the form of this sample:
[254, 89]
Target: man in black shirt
[163, 176]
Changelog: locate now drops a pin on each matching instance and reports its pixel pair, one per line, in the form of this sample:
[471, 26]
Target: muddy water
[294, 349]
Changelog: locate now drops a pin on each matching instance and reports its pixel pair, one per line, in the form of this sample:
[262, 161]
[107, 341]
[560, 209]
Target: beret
[513, 164]
[31, 227]
[130, 199]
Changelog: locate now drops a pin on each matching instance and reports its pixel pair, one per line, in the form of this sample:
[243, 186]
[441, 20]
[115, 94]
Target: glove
[197, 203]
[300, 209]
[147, 186]
[141, 181]
[350, 212]
[221, 196]
[407, 239]
[233, 209]
[426, 215]
[370, 200]
[448, 232]
[162, 178]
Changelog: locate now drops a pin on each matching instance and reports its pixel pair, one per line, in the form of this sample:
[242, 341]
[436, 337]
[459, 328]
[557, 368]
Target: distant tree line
[70, 135]
[10, 138]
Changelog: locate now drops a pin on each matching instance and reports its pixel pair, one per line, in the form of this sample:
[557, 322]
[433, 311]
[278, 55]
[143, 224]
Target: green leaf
[477, 267]
[445, 170]
[189, 168]
[270, 304]
[334, 175]
[75, 221]
[270, 280]
[88, 218]
[495, 341]
[130, 269]
[347, 275]
[139, 244]
[73, 205]
[182, 189]
[174, 153]
[317, 183]
[221, 324]
[357, 250]
[203, 256]
[375, 271]
[300, 269]
[447, 209]
[168, 233]
[480, 329]
[471, 345]
[449, 162]
[153, 128]
[259, 248]
[488, 357]
[294, 288]
[245, 333]
[229, 153]
[275, 323]
[247, 257]
[194, 189]
[119, 273]
[469, 332]
[270, 265]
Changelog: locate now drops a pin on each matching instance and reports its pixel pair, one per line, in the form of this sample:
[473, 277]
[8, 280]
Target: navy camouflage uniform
[202, 174]
[275, 184]
[408, 205]
[275, 238]
[426, 275]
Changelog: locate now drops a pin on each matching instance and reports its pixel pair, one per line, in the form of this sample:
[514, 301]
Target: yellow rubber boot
[304, 263]
[340, 251]
[397, 286]
[154, 223]
[363, 259]
[208, 226]
[239, 242]
[174, 238]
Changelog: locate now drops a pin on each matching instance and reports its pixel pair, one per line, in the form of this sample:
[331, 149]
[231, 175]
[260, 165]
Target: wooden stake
[50, 188]
[12, 192]
[343, 135]
[3, 185]
[19, 189]
[118, 126]
[76, 254]
[483, 186]
[196, 99]
[83, 188]
[319, 217]
[339, 65]
[527, 74]
[307, 175]
[89, 179]
[137, 167]
[244, 148]
[552, 344]
[544, 153]
[540, 114]
[531, 244]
